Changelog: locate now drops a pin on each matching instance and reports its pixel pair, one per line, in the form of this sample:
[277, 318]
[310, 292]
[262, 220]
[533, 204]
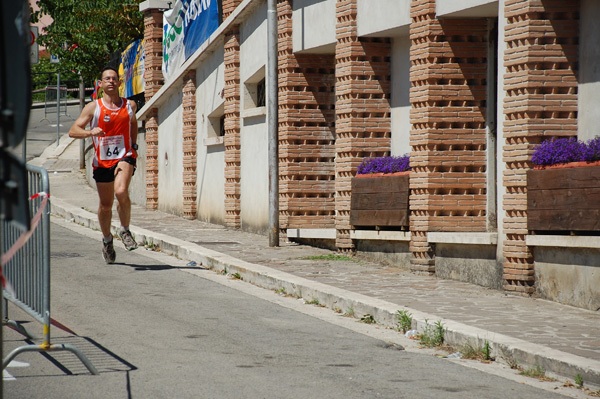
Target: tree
[85, 33]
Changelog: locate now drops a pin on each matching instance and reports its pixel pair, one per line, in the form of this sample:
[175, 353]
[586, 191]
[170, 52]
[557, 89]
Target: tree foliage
[85, 33]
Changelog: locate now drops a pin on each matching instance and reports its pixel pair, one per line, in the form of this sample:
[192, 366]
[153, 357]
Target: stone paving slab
[564, 339]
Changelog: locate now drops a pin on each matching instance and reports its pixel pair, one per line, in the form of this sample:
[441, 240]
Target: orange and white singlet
[115, 144]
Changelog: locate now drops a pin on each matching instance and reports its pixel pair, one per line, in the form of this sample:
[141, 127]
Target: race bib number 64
[112, 147]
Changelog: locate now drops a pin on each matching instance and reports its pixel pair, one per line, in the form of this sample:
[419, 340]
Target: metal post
[492, 84]
[272, 112]
[57, 108]
[81, 106]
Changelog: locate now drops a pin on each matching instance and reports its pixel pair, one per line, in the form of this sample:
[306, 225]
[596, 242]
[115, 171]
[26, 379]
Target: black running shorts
[107, 175]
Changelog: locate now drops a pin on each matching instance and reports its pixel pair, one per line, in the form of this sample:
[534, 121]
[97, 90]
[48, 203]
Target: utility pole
[273, 122]
[81, 106]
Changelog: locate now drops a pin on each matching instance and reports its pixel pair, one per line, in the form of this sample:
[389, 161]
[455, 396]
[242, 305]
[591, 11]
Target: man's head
[107, 70]
[110, 80]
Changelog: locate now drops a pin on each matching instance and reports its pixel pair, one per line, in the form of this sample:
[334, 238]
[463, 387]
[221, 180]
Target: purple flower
[561, 150]
[591, 152]
[389, 164]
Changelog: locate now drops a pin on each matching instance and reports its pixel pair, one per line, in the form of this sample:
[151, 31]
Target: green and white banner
[185, 28]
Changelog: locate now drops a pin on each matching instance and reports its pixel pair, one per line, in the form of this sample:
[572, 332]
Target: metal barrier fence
[51, 103]
[28, 272]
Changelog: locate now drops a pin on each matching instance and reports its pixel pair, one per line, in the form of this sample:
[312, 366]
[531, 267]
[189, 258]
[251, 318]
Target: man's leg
[123, 174]
[106, 196]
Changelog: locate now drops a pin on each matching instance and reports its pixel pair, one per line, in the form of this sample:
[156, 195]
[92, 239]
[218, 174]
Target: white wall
[254, 184]
[589, 71]
[313, 23]
[210, 181]
[400, 102]
[466, 8]
[383, 17]
[170, 155]
[253, 43]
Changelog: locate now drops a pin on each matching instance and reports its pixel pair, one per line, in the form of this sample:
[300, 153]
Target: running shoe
[108, 252]
[128, 240]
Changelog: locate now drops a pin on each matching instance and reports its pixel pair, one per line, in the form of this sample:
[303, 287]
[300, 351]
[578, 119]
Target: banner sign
[131, 69]
[185, 28]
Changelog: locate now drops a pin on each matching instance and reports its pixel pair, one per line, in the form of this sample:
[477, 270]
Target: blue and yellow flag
[131, 69]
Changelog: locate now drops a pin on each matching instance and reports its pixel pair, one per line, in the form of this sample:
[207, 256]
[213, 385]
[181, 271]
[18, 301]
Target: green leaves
[84, 34]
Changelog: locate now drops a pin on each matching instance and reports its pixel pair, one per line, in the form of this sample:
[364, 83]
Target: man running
[113, 129]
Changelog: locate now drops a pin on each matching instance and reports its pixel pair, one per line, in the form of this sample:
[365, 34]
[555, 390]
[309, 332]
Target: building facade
[467, 88]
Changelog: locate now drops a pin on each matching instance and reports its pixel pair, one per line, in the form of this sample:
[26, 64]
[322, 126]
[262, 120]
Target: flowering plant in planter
[563, 185]
[565, 150]
[388, 164]
[380, 192]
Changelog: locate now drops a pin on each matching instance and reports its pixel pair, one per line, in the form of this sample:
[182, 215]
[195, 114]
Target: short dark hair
[108, 68]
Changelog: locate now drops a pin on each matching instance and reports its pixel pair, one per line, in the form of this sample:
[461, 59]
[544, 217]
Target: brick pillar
[362, 108]
[189, 145]
[153, 41]
[448, 136]
[540, 85]
[229, 6]
[232, 128]
[306, 132]
[153, 81]
[152, 159]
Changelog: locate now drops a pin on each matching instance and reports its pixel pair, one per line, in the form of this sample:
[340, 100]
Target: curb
[525, 353]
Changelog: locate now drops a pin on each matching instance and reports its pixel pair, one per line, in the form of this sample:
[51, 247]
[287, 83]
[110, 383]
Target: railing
[27, 269]
[51, 103]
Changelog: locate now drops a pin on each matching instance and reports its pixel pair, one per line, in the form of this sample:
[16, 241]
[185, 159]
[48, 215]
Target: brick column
[229, 6]
[152, 159]
[306, 132]
[189, 145]
[448, 158]
[232, 128]
[540, 85]
[153, 41]
[363, 126]
[153, 81]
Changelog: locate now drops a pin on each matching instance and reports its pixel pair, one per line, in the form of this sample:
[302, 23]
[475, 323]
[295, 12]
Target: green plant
[237, 276]
[368, 319]
[475, 352]
[337, 309]
[282, 291]
[433, 334]
[349, 312]
[538, 372]
[405, 320]
[579, 380]
[314, 301]
[509, 359]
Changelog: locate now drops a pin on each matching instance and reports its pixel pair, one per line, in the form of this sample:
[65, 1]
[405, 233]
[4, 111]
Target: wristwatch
[134, 146]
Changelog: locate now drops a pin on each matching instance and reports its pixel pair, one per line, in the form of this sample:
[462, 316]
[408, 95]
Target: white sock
[107, 239]
[123, 228]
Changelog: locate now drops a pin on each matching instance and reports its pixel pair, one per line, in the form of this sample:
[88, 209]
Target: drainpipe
[490, 117]
[81, 106]
[272, 112]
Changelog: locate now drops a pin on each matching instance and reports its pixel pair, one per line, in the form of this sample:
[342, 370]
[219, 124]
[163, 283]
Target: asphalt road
[157, 328]
[42, 130]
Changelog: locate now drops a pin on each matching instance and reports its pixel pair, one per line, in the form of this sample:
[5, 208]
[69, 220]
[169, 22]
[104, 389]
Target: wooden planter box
[380, 200]
[564, 198]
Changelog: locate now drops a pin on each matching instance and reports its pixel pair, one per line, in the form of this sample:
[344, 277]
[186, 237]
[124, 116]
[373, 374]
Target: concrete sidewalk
[563, 340]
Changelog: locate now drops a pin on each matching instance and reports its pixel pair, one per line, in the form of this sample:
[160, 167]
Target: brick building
[467, 88]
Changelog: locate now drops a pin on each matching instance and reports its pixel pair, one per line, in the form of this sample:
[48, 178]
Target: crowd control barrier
[27, 269]
[52, 105]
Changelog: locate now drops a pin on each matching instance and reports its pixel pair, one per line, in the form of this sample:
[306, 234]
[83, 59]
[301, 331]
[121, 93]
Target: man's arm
[78, 130]
[134, 125]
